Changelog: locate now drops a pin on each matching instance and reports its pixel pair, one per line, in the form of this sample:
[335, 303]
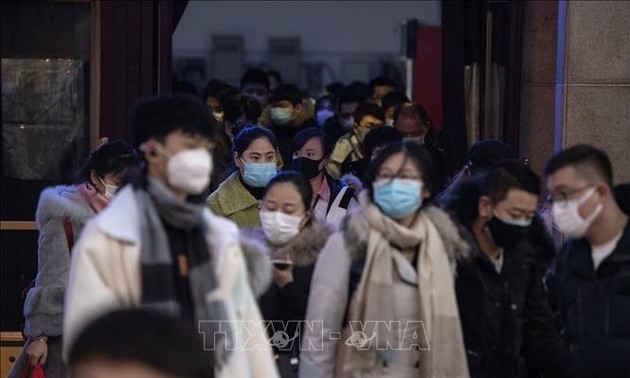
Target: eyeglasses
[563, 198]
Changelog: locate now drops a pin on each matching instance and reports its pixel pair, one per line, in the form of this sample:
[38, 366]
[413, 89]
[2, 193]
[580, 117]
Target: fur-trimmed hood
[59, 202]
[356, 232]
[303, 249]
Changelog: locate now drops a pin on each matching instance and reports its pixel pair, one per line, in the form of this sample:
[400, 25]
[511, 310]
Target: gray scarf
[157, 204]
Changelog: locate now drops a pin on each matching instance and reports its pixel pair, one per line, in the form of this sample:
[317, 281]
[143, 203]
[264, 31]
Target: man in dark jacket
[592, 275]
[507, 323]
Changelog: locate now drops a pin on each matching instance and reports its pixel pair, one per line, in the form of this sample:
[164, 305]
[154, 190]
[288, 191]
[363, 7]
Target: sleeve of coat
[43, 307]
[542, 344]
[326, 308]
[88, 295]
[252, 357]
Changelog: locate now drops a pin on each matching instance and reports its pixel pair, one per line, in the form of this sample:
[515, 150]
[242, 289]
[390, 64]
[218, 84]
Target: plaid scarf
[157, 204]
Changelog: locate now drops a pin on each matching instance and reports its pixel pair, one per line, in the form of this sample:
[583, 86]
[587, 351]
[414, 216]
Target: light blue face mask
[258, 174]
[281, 116]
[398, 198]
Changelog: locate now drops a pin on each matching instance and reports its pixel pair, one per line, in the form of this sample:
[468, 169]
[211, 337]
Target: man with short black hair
[287, 113]
[347, 103]
[255, 83]
[592, 273]
[506, 319]
[348, 149]
[157, 246]
[381, 86]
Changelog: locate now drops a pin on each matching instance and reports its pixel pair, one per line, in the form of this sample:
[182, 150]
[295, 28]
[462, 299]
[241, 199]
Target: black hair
[368, 109]
[382, 81]
[584, 158]
[304, 135]
[361, 88]
[417, 108]
[508, 174]
[322, 99]
[115, 157]
[394, 98]
[255, 76]
[157, 117]
[334, 88]
[417, 153]
[348, 96]
[286, 92]
[484, 153]
[380, 136]
[276, 75]
[235, 105]
[249, 134]
[622, 197]
[147, 337]
[184, 87]
[298, 180]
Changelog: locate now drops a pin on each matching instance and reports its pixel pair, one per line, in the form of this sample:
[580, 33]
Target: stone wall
[576, 79]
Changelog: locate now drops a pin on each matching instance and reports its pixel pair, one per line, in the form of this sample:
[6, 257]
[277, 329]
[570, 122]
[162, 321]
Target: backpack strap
[67, 227]
[347, 197]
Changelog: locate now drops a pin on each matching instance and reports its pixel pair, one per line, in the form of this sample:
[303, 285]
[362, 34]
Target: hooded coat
[43, 308]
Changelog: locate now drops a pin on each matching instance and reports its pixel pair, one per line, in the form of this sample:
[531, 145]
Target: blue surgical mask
[258, 174]
[281, 116]
[398, 198]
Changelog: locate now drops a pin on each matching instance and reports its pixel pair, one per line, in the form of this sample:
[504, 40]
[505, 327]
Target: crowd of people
[259, 232]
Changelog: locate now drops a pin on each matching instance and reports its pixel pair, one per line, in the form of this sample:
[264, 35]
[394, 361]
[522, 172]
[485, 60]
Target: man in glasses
[592, 275]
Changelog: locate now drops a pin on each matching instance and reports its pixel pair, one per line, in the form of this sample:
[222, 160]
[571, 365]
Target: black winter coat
[506, 319]
[596, 307]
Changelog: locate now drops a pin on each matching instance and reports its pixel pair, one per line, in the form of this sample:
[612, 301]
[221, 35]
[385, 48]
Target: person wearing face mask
[256, 159]
[388, 271]
[61, 215]
[346, 105]
[158, 247]
[218, 96]
[324, 109]
[255, 84]
[288, 111]
[591, 279]
[413, 121]
[507, 322]
[294, 238]
[348, 151]
[332, 198]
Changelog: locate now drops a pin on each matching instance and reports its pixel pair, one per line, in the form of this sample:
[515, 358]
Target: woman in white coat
[382, 300]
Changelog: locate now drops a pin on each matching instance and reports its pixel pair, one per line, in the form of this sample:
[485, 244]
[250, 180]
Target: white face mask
[279, 227]
[347, 123]
[189, 170]
[110, 190]
[567, 219]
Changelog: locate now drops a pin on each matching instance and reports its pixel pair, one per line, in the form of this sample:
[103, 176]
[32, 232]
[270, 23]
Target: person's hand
[37, 351]
[282, 277]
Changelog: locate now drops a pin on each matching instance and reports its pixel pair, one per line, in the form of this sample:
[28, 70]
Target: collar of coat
[356, 232]
[120, 221]
[61, 202]
[303, 249]
[233, 197]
